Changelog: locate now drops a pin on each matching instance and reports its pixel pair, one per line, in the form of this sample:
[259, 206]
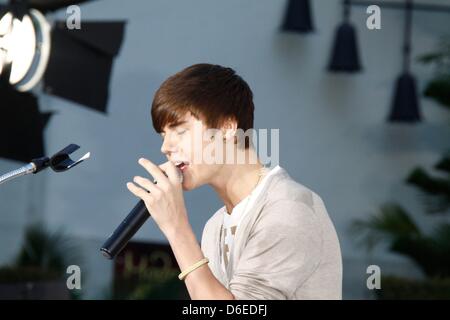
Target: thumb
[173, 173]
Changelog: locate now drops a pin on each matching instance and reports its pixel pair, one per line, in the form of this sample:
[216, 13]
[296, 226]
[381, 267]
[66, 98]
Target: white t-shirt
[231, 221]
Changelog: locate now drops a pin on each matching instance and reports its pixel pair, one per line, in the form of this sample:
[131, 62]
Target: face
[183, 142]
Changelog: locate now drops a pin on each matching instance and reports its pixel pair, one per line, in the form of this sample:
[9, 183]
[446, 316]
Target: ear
[229, 129]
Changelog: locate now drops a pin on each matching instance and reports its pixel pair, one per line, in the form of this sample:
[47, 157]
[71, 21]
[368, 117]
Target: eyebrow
[175, 124]
[178, 123]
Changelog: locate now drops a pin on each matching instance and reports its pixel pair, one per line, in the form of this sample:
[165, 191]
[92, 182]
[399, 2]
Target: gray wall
[333, 134]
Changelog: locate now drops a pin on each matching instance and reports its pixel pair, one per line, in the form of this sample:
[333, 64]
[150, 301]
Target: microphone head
[180, 175]
[106, 253]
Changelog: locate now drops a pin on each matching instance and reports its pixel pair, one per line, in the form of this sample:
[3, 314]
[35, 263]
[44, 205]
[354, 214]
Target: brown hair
[211, 93]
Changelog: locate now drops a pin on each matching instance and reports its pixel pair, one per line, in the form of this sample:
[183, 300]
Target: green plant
[9, 274]
[439, 87]
[394, 225]
[46, 250]
[396, 288]
[436, 189]
[150, 284]
[171, 288]
[43, 256]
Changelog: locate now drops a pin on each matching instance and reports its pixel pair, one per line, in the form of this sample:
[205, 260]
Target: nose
[168, 146]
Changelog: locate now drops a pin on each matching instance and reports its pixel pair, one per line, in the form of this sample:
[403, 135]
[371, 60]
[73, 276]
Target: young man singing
[273, 238]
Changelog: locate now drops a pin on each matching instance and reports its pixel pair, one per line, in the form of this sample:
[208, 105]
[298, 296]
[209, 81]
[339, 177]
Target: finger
[154, 171]
[138, 191]
[173, 173]
[146, 184]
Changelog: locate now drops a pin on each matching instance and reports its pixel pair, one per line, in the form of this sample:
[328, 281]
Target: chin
[187, 185]
[190, 184]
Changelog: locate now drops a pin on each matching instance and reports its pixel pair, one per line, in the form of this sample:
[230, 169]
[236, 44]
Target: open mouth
[182, 165]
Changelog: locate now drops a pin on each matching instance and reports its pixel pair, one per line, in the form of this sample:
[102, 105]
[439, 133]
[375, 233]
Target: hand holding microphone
[163, 199]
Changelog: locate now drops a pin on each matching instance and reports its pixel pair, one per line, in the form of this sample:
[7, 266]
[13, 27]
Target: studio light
[74, 64]
[405, 102]
[24, 48]
[345, 56]
[298, 17]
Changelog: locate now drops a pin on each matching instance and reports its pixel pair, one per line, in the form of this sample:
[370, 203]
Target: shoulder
[214, 221]
[289, 204]
[284, 187]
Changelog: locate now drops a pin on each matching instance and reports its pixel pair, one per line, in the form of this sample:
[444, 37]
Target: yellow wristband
[196, 265]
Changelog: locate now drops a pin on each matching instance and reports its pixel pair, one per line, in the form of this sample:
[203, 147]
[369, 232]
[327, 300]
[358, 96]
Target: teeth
[179, 163]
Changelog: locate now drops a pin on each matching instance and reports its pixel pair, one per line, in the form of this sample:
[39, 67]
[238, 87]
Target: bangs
[210, 93]
[169, 115]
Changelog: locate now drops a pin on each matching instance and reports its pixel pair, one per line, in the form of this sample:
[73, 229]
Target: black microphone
[126, 230]
[123, 233]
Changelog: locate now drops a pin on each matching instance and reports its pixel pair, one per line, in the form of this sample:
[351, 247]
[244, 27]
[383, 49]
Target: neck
[234, 182]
